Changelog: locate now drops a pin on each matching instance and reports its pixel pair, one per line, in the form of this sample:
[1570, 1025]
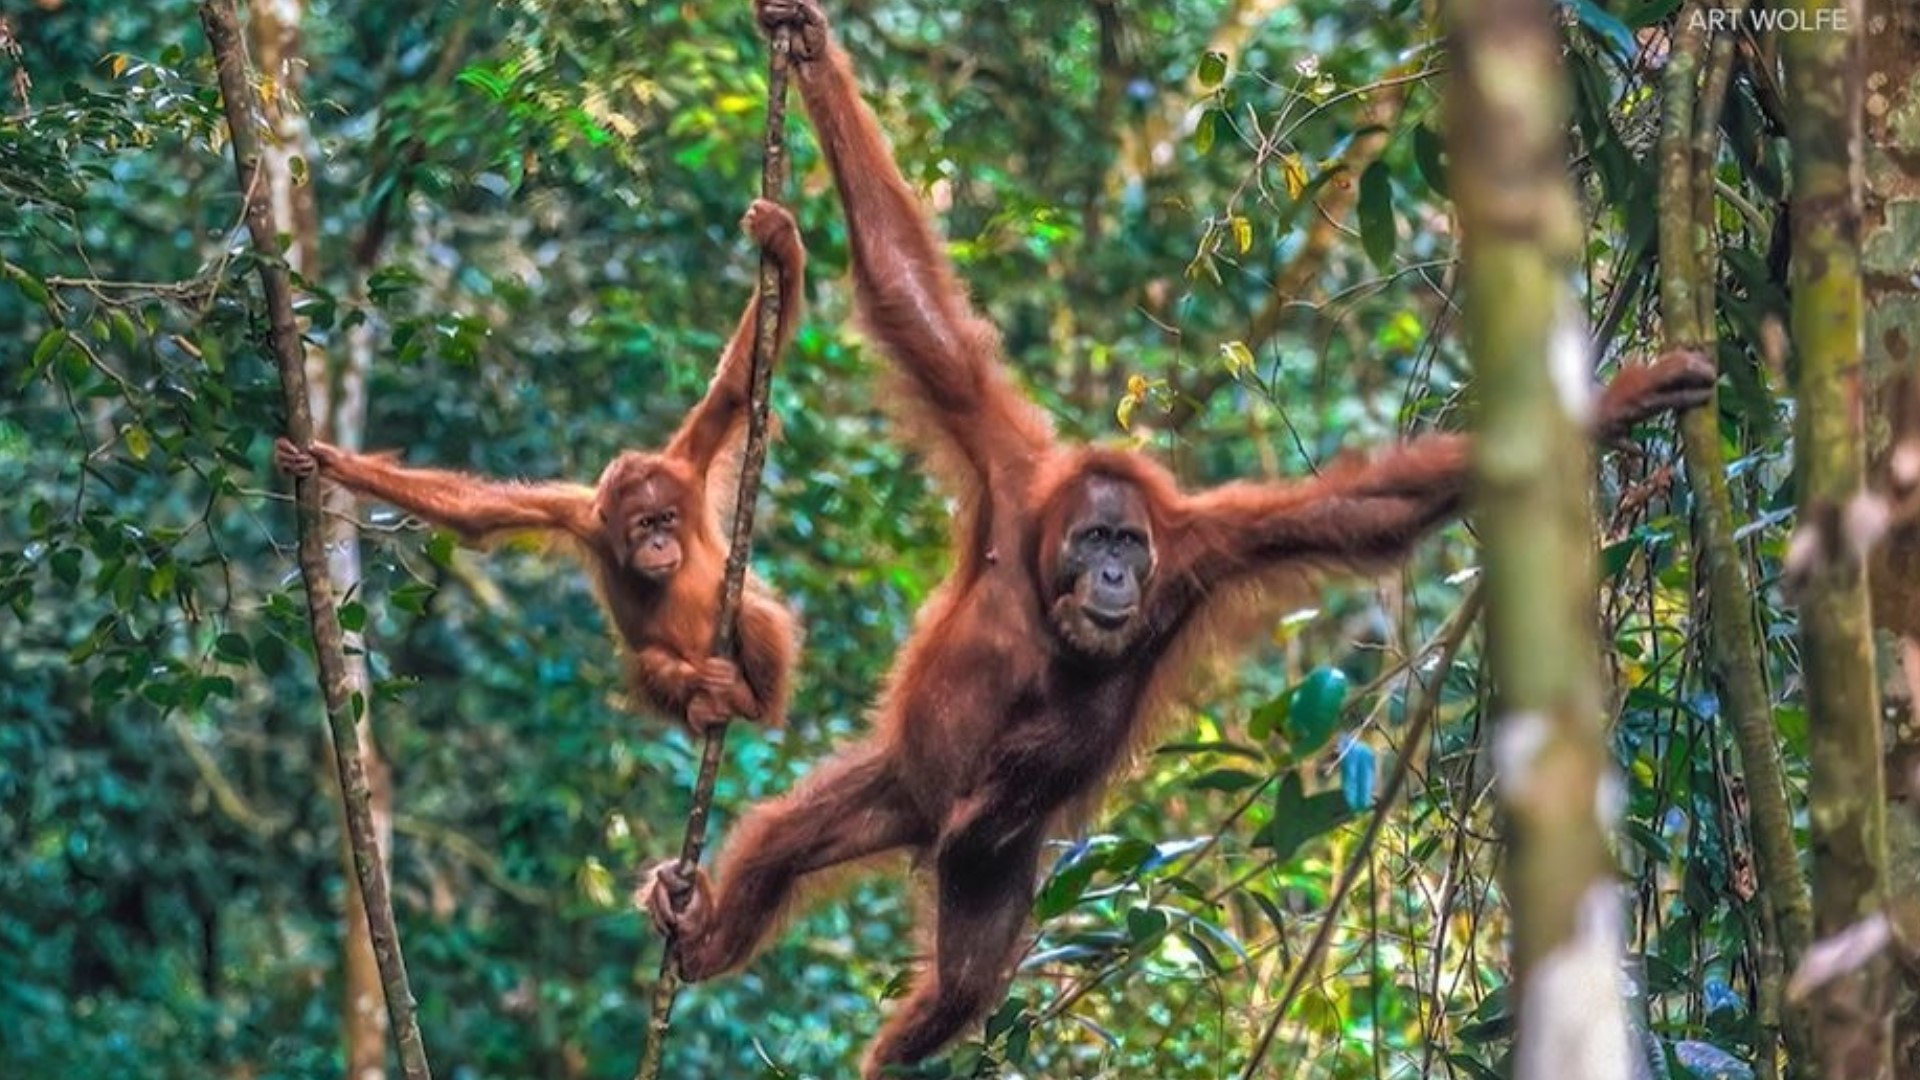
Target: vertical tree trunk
[1689, 256]
[339, 409]
[237, 98]
[1506, 129]
[1848, 809]
[1890, 267]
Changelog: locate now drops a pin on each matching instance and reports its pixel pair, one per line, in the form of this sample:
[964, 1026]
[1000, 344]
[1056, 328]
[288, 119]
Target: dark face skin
[646, 525]
[1103, 566]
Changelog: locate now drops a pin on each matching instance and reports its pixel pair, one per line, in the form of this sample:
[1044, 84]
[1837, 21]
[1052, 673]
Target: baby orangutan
[647, 531]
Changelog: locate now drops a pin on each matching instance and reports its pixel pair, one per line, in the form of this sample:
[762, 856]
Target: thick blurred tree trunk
[1506, 129]
[1694, 93]
[1848, 809]
[339, 411]
[1890, 269]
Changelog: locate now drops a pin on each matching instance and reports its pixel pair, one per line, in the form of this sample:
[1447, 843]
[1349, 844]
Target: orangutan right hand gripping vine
[1083, 580]
[647, 531]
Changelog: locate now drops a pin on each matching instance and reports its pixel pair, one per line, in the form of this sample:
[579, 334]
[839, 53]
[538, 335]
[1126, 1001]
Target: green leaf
[1203, 132]
[1317, 702]
[1615, 557]
[1127, 856]
[1017, 1040]
[66, 566]
[232, 648]
[353, 617]
[1298, 817]
[1145, 925]
[160, 582]
[1430, 157]
[440, 548]
[1225, 780]
[1213, 68]
[1198, 928]
[412, 597]
[1275, 917]
[29, 285]
[1271, 718]
[1376, 215]
[271, 652]
[488, 82]
[212, 353]
[1203, 951]
[1004, 1017]
[50, 345]
[1064, 890]
[124, 329]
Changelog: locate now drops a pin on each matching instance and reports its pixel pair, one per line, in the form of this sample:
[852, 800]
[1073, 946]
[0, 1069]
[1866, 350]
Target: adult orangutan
[1083, 581]
[648, 531]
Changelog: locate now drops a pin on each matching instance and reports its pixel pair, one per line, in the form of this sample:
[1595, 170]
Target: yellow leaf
[1136, 386]
[1124, 414]
[596, 882]
[737, 103]
[138, 442]
[1242, 233]
[117, 64]
[1295, 175]
[1239, 358]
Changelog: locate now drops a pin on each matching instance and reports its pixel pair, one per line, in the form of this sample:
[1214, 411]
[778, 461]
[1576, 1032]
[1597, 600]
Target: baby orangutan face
[645, 516]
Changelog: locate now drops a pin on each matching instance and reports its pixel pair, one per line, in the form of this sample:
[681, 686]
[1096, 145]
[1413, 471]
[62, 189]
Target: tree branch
[236, 92]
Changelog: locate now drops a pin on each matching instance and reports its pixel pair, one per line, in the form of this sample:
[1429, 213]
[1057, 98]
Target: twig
[230, 61]
[766, 343]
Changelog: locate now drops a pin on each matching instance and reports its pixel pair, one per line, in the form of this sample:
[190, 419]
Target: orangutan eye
[1098, 534]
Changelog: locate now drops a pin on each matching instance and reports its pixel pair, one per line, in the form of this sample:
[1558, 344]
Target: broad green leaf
[29, 286]
[1224, 780]
[1315, 714]
[1213, 68]
[1430, 157]
[160, 582]
[1298, 817]
[50, 345]
[1145, 925]
[232, 648]
[1203, 132]
[1377, 226]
